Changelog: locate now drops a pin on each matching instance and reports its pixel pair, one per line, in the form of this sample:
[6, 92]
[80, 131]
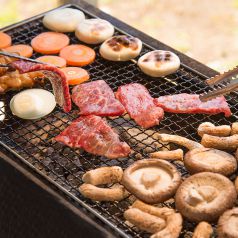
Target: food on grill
[174, 224]
[144, 221]
[96, 98]
[162, 212]
[159, 63]
[190, 103]
[5, 40]
[78, 55]
[139, 104]
[210, 160]
[234, 128]
[4, 60]
[63, 20]
[15, 81]
[211, 129]
[94, 31]
[151, 180]
[49, 43]
[103, 175]
[32, 103]
[227, 224]
[22, 50]
[115, 193]
[236, 184]
[121, 48]
[203, 230]
[53, 60]
[56, 77]
[221, 143]
[205, 196]
[75, 75]
[189, 144]
[168, 155]
[93, 134]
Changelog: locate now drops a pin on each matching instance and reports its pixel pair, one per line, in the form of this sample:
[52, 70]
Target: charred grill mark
[118, 42]
[158, 57]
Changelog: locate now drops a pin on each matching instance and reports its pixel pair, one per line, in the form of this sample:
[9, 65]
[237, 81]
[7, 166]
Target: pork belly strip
[56, 77]
[190, 103]
[94, 135]
[96, 98]
[140, 105]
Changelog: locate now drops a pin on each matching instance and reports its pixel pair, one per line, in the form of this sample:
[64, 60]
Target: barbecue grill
[60, 168]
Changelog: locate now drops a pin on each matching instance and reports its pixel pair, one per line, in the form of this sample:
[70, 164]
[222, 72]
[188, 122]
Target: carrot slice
[49, 42]
[5, 40]
[53, 60]
[78, 55]
[75, 75]
[22, 50]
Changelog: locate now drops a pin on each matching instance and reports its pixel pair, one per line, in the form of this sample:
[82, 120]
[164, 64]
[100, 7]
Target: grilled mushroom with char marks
[205, 196]
[203, 230]
[228, 224]
[211, 129]
[189, 144]
[100, 176]
[121, 48]
[229, 143]
[210, 160]
[168, 155]
[151, 180]
[159, 63]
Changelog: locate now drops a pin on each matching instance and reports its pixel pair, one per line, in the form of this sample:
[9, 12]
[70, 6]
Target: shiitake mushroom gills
[228, 224]
[205, 196]
[210, 160]
[151, 180]
[159, 63]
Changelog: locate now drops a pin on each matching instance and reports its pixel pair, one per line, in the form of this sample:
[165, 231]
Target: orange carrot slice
[49, 42]
[53, 60]
[75, 75]
[22, 50]
[78, 55]
[5, 40]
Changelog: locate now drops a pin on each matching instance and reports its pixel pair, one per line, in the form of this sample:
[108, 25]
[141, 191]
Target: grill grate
[32, 140]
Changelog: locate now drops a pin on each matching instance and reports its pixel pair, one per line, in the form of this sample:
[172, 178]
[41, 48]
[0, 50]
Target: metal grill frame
[184, 73]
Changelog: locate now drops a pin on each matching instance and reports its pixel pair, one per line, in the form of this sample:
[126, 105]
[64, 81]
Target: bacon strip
[56, 77]
[190, 103]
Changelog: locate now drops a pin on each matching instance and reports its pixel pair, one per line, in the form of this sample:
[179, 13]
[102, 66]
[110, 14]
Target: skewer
[168, 80]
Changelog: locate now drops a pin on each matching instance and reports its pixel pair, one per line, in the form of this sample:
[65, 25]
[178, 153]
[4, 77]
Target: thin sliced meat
[96, 98]
[139, 104]
[94, 135]
[56, 77]
[190, 103]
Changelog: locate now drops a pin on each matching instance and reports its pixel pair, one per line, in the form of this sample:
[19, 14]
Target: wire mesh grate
[33, 140]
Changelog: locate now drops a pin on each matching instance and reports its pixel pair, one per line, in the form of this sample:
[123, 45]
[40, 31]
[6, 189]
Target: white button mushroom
[94, 31]
[159, 63]
[121, 48]
[63, 20]
[32, 103]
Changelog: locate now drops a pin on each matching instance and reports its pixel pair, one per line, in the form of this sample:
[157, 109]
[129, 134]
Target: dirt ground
[205, 30]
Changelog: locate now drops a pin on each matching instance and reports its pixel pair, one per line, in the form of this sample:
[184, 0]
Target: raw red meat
[56, 77]
[190, 103]
[96, 98]
[140, 105]
[93, 134]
